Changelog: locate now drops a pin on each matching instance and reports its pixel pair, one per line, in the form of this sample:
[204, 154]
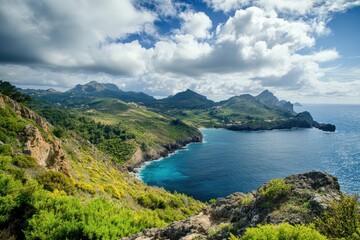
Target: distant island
[297, 104]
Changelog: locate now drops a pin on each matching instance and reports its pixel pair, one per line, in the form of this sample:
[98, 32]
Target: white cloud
[70, 33]
[196, 24]
[320, 8]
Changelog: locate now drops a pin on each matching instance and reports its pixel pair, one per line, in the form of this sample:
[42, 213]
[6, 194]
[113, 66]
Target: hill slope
[57, 188]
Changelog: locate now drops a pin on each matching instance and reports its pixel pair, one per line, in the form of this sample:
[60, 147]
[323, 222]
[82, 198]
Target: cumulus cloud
[196, 24]
[262, 43]
[295, 7]
[70, 34]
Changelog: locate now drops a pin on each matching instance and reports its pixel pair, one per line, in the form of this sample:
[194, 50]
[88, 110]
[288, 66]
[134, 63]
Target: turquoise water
[228, 161]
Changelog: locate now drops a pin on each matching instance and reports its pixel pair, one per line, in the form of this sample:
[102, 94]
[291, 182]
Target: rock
[326, 127]
[48, 153]
[26, 112]
[2, 103]
[35, 145]
[316, 188]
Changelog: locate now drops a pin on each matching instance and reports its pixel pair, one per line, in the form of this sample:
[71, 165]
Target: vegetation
[9, 90]
[342, 219]
[97, 201]
[281, 232]
[275, 189]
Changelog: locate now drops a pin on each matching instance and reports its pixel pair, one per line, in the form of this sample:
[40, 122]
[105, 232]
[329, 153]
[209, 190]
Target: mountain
[188, 106]
[297, 104]
[184, 100]
[93, 86]
[269, 99]
[108, 90]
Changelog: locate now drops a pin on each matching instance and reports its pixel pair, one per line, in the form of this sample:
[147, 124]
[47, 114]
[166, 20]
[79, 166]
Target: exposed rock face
[2, 103]
[35, 145]
[48, 154]
[310, 194]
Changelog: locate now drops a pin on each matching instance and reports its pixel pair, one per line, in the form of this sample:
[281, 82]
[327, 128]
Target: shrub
[342, 219]
[52, 180]
[85, 187]
[282, 231]
[5, 149]
[151, 201]
[275, 189]
[24, 161]
[246, 200]
[109, 188]
[59, 132]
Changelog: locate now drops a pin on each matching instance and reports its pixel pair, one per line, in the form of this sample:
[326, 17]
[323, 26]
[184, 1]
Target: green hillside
[118, 128]
[67, 188]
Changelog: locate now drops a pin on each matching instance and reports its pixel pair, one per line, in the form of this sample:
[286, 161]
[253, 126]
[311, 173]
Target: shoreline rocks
[309, 195]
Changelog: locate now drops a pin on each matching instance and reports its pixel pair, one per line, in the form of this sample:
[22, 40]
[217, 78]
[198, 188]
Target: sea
[228, 161]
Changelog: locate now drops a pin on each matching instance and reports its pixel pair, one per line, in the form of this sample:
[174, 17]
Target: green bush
[9, 192]
[151, 201]
[282, 231]
[5, 149]
[66, 217]
[342, 219]
[24, 161]
[276, 188]
[51, 180]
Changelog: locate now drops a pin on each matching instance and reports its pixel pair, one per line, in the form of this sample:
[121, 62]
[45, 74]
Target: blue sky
[303, 50]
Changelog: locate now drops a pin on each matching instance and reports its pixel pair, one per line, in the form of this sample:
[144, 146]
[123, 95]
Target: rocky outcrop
[2, 102]
[301, 120]
[48, 153]
[41, 145]
[309, 196]
[25, 112]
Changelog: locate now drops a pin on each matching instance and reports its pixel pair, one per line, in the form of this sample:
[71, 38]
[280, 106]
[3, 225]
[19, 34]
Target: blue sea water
[228, 161]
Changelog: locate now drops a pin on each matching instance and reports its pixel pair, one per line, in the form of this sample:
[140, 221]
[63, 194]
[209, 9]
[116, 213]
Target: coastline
[140, 159]
[137, 170]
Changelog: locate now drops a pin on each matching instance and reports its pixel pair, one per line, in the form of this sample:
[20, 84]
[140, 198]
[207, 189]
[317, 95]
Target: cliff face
[308, 196]
[139, 157]
[41, 145]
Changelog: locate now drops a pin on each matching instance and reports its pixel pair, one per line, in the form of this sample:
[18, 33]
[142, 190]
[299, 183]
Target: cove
[228, 161]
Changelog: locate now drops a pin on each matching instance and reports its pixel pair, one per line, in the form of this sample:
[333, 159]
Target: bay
[228, 161]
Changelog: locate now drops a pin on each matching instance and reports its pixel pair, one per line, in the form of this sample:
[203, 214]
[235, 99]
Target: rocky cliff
[301, 198]
[39, 143]
[140, 156]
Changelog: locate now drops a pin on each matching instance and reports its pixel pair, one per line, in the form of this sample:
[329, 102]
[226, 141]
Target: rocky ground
[307, 196]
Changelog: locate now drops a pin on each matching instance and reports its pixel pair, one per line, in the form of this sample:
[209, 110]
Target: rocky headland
[301, 120]
[298, 199]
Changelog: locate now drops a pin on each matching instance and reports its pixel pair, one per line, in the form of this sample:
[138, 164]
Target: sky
[302, 50]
